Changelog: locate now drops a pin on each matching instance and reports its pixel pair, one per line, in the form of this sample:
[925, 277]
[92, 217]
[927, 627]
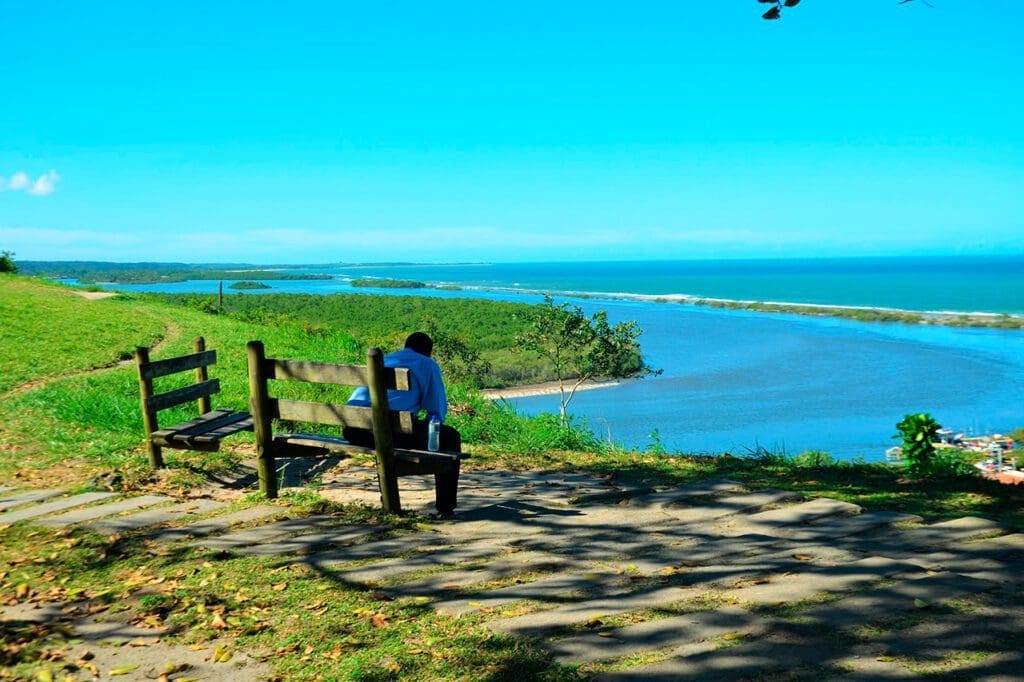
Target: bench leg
[446, 488]
[156, 457]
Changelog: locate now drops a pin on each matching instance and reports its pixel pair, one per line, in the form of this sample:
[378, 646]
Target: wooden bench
[203, 433]
[391, 462]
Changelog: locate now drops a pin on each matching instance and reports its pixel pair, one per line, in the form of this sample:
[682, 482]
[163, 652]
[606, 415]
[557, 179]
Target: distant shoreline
[546, 388]
[860, 313]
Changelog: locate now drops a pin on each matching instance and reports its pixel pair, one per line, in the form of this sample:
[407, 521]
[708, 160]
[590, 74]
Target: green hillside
[70, 391]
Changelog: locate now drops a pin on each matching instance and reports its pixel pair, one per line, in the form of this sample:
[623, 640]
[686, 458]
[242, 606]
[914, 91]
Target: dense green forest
[89, 272]
[487, 328]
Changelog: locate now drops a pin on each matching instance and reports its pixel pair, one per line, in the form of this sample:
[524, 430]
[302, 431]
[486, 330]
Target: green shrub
[7, 263]
[919, 433]
[814, 459]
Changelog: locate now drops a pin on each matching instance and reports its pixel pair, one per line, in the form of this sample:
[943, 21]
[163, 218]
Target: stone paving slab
[27, 496]
[554, 588]
[52, 506]
[376, 573]
[603, 545]
[733, 504]
[612, 494]
[108, 509]
[682, 494]
[152, 517]
[744, 568]
[933, 639]
[505, 567]
[792, 586]
[414, 543]
[740, 551]
[882, 603]
[833, 528]
[542, 622]
[780, 521]
[690, 584]
[674, 633]
[762, 660]
[216, 524]
[995, 559]
[309, 543]
[1013, 542]
[268, 532]
[936, 535]
[718, 548]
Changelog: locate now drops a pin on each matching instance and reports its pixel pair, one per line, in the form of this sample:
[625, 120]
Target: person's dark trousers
[446, 483]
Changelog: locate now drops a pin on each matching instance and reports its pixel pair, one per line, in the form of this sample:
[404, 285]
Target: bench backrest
[377, 417]
[200, 391]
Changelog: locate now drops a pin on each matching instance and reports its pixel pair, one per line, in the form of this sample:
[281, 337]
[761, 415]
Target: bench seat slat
[305, 444]
[215, 435]
[203, 423]
[160, 368]
[297, 442]
[207, 429]
[186, 394]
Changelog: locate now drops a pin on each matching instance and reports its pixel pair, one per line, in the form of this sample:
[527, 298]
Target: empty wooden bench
[391, 462]
[203, 433]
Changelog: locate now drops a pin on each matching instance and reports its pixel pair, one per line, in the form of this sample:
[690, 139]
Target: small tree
[7, 263]
[461, 362]
[919, 433]
[579, 348]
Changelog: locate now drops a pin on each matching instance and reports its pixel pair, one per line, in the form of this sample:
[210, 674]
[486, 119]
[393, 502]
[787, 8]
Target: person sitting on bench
[426, 394]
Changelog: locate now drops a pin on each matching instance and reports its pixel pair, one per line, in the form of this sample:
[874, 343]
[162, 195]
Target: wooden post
[387, 478]
[259, 408]
[199, 345]
[149, 419]
[220, 297]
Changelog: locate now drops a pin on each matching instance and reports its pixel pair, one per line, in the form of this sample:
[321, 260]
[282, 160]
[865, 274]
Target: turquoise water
[969, 284]
[734, 381]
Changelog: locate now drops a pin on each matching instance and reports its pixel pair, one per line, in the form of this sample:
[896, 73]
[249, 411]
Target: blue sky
[309, 132]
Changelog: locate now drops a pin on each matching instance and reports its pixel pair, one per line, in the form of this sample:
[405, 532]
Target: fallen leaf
[44, 675]
[379, 620]
[218, 623]
[280, 587]
[123, 670]
[221, 654]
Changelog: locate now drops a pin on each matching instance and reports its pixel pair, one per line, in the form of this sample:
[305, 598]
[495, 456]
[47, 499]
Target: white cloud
[44, 184]
[18, 181]
[41, 186]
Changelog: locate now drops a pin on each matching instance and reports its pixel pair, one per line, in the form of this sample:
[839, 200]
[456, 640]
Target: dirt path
[95, 295]
[171, 334]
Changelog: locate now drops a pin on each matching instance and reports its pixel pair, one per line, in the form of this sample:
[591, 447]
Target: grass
[69, 412]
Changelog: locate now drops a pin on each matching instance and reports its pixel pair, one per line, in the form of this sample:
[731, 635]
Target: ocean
[738, 381]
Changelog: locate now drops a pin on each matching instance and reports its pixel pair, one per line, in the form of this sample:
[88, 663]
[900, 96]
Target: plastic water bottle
[434, 433]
